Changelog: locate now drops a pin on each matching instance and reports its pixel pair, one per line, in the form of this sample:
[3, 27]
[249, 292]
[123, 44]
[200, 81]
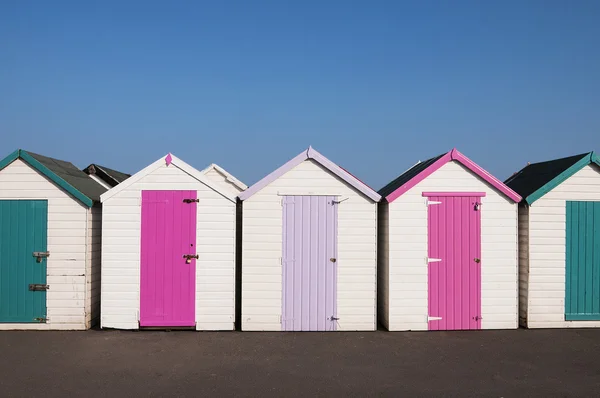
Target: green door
[582, 299]
[23, 231]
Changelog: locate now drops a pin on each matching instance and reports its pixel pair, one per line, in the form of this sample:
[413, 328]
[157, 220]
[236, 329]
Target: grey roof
[534, 176]
[110, 176]
[407, 176]
[117, 175]
[72, 175]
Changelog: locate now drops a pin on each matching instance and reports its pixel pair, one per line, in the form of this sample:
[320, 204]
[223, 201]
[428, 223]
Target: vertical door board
[309, 262]
[167, 280]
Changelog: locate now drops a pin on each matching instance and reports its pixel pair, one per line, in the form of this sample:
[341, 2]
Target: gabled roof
[240, 185]
[310, 153]
[63, 174]
[168, 160]
[537, 179]
[109, 176]
[407, 175]
[421, 170]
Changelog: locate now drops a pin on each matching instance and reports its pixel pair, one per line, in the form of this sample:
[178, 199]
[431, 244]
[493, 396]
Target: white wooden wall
[383, 250]
[66, 266]
[547, 254]
[215, 236]
[214, 175]
[262, 250]
[408, 250]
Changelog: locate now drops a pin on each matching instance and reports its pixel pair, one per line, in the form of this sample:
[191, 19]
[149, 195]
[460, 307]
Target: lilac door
[454, 262]
[167, 284]
[309, 263]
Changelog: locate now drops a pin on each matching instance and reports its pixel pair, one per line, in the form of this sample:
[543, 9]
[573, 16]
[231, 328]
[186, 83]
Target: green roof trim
[562, 177]
[30, 160]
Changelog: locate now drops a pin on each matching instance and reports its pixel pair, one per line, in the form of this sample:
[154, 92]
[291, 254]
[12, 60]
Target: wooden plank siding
[262, 250]
[408, 276]
[547, 247]
[215, 245]
[66, 266]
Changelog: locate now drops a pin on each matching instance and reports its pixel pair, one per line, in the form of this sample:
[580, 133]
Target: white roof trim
[199, 175]
[230, 178]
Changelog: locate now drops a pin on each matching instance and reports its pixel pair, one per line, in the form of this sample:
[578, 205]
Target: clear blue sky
[373, 85]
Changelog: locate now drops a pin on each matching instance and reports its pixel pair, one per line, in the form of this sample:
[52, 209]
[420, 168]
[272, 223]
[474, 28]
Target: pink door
[454, 261]
[168, 270]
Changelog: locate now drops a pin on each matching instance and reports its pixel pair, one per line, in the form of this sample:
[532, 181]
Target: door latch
[189, 257]
[477, 317]
[191, 200]
[332, 318]
[333, 259]
[477, 260]
[36, 287]
[40, 255]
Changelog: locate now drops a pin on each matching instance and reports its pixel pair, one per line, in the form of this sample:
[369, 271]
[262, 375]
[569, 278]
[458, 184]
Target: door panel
[309, 263]
[23, 230]
[167, 285]
[454, 263]
[582, 282]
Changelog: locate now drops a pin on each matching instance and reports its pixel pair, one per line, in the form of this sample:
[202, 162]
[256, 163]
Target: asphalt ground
[104, 363]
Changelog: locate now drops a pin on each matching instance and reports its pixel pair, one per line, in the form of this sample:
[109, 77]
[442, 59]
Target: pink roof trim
[310, 153]
[465, 161]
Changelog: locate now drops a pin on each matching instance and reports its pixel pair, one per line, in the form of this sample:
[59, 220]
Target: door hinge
[38, 287]
[191, 200]
[434, 318]
[40, 255]
[41, 319]
[432, 202]
[432, 260]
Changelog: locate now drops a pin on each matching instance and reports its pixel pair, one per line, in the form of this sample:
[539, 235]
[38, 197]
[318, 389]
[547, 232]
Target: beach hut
[104, 176]
[448, 248]
[309, 252]
[50, 220]
[168, 250]
[559, 239]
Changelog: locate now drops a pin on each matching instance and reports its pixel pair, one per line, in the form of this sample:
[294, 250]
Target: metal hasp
[191, 200]
[40, 255]
[35, 287]
[189, 257]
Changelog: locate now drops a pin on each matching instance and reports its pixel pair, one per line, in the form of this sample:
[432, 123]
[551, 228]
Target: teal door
[23, 231]
[582, 299]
